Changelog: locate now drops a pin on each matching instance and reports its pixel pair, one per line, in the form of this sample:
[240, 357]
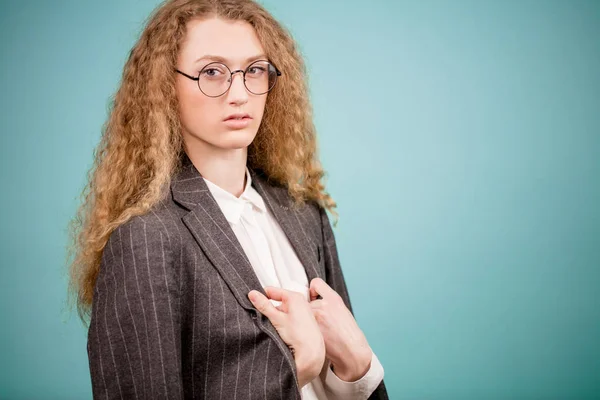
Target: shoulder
[309, 217]
[155, 231]
[316, 211]
[143, 253]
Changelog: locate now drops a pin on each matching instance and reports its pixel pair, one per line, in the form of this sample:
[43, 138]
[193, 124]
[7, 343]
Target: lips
[239, 116]
[237, 121]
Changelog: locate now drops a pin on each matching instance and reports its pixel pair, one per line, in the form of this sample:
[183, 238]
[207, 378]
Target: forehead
[235, 41]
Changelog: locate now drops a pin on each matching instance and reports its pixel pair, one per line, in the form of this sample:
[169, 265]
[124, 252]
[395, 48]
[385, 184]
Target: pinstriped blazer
[170, 316]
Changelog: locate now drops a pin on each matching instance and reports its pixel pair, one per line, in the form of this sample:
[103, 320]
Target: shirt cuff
[357, 390]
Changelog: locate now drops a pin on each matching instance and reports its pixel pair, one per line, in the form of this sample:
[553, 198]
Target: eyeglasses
[215, 79]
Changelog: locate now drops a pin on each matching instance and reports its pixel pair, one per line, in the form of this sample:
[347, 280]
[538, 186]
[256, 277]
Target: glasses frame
[231, 73]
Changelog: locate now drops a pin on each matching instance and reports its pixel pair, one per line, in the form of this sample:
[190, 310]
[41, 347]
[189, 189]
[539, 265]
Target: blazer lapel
[210, 228]
[282, 207]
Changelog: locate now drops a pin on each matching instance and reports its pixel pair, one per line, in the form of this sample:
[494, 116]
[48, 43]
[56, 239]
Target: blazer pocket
[321, 259]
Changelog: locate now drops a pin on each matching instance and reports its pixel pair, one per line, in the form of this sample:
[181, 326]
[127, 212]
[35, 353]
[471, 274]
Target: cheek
[197, 112]
[260, 107]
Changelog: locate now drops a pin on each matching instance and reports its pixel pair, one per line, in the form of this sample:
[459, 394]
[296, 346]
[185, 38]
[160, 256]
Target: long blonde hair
[141, 144]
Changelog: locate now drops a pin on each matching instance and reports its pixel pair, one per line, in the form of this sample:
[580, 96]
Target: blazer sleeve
[335, 279]
[134, 345]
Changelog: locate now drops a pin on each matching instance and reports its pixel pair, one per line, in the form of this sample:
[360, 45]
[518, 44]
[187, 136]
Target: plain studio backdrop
[461, 141]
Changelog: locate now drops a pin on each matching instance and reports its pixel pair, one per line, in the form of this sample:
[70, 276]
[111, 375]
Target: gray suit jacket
[170, 316]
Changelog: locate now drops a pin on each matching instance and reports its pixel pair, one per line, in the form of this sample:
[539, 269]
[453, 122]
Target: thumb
[318, 287]
[263, 305]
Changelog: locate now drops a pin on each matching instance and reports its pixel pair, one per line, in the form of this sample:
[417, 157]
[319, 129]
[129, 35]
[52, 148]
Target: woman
[205, 258]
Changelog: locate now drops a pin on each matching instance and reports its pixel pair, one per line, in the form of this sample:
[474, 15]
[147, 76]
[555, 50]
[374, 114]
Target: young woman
[206, 262]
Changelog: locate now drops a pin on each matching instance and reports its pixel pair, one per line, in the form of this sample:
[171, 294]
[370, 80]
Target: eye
[213, 72]
[210, 72]
[256, 70]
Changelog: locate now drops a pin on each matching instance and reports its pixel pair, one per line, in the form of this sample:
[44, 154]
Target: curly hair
[141, 144]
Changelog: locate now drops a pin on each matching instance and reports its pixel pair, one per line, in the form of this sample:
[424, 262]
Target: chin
[236, 139]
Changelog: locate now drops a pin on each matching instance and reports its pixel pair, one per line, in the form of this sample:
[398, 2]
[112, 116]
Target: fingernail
[252, 295]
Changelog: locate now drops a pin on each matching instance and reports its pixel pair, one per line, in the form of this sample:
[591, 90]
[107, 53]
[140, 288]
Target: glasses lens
[260, 77]
[214, 79]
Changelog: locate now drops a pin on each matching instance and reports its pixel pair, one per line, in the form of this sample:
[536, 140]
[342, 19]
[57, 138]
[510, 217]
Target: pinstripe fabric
[170, 315]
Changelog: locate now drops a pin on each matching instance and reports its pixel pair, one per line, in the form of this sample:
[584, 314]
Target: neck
[225, 168]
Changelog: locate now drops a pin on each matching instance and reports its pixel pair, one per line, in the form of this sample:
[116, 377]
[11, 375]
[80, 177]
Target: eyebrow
[225, 60]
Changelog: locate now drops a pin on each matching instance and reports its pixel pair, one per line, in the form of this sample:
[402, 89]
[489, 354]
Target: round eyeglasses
[215, 79]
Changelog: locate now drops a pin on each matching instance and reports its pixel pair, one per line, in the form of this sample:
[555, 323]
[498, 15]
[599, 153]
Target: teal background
[461, 141]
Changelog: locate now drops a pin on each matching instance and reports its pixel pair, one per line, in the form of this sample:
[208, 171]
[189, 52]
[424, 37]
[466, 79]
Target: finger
[263, 305]
[283, 295]
[321, 287]
[313, 294]
[316, 304]
[275, 293]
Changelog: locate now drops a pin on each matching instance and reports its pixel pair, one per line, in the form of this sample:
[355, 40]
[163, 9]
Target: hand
[346, 345]
[296, 325]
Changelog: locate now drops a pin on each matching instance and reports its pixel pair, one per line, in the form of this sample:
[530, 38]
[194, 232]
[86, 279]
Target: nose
[237, 91]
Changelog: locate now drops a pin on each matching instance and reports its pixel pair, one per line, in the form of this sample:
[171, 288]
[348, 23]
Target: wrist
[308, 368]
[354, 368]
